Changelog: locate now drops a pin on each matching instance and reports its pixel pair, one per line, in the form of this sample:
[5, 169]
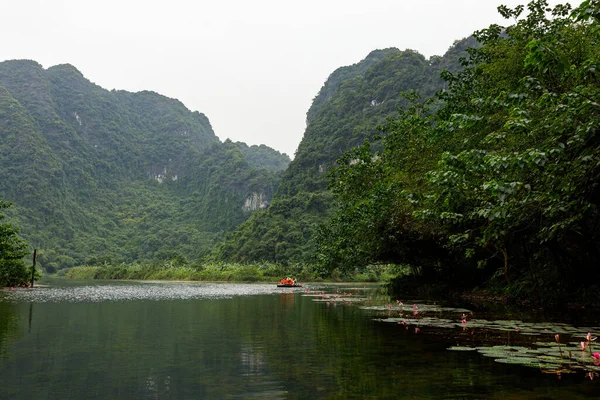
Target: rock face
[256, 201]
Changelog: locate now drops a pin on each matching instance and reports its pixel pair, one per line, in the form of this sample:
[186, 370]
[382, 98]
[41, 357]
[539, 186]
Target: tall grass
[256, 272]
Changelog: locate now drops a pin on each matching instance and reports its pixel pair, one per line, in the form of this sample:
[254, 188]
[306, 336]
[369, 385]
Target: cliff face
[256, 201]
[124, 175]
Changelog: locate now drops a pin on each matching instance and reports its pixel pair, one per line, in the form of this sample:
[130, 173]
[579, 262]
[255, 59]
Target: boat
[288, 282]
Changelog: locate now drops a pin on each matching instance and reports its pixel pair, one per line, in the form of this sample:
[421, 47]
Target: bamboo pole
[33, 268]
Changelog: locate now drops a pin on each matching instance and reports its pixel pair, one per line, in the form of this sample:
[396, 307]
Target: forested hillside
[116, 175]
[347, 110]
[499, 186]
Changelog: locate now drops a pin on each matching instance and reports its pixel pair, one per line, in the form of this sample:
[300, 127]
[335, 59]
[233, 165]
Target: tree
[12, 251]
[518, 189]
[504, 175]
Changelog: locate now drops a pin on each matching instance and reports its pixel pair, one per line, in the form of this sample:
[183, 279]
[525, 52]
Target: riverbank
[225, 272]
[583, 297]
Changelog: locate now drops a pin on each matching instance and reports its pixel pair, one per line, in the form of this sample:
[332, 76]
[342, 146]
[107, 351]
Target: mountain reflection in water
[123, 340]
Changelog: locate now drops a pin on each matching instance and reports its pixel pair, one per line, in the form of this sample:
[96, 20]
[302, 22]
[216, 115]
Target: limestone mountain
[120, 175]
[347, 110]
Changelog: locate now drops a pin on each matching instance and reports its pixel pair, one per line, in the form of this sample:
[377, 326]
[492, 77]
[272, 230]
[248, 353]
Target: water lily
[557, 338]
[589, 337]
[583, 345]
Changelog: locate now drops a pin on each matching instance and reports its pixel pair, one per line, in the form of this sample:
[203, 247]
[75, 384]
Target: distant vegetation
[246, 272]
[12, 251]
[264, 157]
[118, 176]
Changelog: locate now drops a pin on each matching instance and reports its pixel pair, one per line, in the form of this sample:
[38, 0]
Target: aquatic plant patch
[550, 346]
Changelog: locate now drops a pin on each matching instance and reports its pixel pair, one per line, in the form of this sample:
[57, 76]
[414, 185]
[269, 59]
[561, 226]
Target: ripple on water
[136, 291]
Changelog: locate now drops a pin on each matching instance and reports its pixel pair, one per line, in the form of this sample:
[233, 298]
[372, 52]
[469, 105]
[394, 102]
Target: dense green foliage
[264, 157]
[501, 183]
[12, 251]
[348, 108]
[119, 176]
[180, 269]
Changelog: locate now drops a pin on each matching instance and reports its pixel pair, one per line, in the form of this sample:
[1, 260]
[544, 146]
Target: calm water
[227, 341]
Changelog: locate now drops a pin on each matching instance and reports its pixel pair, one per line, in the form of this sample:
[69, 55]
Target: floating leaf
[462, 348]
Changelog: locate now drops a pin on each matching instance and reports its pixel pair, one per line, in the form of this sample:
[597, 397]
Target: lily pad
[462, 348]
[526, 361]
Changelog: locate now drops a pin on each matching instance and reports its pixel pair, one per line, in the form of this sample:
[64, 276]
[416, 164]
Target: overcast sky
[253, 67]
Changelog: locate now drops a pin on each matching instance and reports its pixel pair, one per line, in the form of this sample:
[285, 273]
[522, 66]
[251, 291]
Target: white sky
[253, 67]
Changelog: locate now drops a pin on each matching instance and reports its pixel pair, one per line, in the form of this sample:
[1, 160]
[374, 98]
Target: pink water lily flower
[590, 338]
[583, 345]
[557, 338]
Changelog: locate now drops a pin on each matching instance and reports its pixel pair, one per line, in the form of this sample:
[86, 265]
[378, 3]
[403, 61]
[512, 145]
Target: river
[124, 340]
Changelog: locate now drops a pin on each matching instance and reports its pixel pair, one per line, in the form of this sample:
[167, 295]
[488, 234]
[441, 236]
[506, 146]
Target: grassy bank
[259, 272]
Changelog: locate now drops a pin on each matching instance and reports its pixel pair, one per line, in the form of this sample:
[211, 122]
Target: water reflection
[186, 341]
[30, 316]
[8, 327]
[287, 300]
[137, 291]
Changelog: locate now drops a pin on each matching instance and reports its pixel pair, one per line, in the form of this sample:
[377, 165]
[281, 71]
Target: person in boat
[287, 281]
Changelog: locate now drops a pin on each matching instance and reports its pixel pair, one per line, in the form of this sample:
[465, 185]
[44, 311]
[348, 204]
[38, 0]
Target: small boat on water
[288, 282]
